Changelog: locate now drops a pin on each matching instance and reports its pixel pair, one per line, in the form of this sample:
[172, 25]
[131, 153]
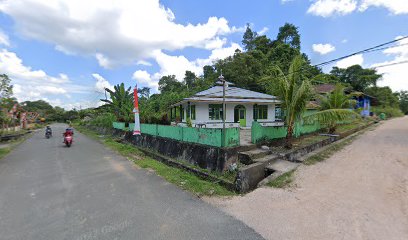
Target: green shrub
[389, 111]
[104, 120]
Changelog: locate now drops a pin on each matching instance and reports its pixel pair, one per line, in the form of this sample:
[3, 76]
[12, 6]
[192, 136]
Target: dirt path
[360, 192]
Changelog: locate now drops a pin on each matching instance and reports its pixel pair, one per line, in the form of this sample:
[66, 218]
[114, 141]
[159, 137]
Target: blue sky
[66, 52]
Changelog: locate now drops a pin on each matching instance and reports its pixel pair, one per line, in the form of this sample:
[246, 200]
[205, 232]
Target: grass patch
[283, 180]
[4, 151]
[9, 145]
[179, 177]
[329, 151]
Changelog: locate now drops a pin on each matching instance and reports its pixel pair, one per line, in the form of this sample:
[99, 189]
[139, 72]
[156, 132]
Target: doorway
[240, 115]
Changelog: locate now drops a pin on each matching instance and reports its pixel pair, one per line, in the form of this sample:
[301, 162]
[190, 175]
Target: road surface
[50, 192]
[360, 192]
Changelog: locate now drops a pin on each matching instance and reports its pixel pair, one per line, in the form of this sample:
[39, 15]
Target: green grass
[283, 180]
[179, 177]
[347, 127]
[10, 145]
[329, 151]
[4, 151]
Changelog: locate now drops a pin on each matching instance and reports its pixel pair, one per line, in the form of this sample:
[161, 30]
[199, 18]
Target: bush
[389, 111]
[105, 120]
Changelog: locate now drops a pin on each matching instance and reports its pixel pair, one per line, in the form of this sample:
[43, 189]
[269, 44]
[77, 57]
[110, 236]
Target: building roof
[325, 88]
[232, 94]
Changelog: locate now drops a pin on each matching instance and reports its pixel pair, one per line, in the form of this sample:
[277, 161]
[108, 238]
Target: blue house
[364, 103]
[363, 100]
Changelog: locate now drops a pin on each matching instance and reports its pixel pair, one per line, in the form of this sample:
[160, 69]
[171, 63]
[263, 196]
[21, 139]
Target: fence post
[157, 130]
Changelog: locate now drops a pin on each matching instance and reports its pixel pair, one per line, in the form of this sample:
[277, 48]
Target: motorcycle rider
[68, 132]
[48, 130]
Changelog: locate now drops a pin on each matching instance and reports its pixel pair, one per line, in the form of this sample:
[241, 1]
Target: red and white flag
[136, 129]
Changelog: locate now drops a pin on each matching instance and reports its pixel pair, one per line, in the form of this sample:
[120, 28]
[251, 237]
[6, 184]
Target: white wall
[202, 115]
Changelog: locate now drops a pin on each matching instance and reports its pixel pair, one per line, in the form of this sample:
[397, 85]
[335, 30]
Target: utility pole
[224, 112]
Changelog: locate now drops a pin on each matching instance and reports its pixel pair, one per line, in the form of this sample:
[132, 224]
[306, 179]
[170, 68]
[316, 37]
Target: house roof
[232, 94]
[325, 88]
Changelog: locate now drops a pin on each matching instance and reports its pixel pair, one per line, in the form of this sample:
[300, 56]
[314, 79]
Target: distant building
[205, 109]
[363, 100]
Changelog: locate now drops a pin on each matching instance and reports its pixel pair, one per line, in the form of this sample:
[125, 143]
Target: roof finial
[221, 77]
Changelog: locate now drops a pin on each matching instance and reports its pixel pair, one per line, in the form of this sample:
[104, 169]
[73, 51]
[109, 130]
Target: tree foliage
[248, 38]
[121, 102]
[295, 92]
[289, 34]
[403, 101]
[357, 77]
[334, 107]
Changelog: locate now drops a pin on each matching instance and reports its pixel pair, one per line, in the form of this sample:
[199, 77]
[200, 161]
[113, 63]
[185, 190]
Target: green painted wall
[205, 136]
[260, 133]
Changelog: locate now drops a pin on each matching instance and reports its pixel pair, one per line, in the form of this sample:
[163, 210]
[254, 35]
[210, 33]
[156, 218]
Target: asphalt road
[49, 191]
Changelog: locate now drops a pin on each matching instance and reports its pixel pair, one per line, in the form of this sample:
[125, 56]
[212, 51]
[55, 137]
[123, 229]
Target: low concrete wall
[207, 157]
[249, 176]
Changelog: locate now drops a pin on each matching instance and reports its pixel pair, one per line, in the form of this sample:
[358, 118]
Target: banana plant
[121, 102]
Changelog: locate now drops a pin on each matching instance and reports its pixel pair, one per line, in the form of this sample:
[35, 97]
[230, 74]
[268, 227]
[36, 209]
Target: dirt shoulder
[361, 192]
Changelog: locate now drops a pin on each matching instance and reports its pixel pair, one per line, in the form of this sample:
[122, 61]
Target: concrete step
[268, 158]
[282, 166]
[249, 157]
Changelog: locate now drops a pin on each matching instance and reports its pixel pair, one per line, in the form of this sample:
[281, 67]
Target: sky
[67, 51]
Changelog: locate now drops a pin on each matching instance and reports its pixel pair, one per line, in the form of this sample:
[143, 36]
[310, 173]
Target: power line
[390, 64]
[360, 52]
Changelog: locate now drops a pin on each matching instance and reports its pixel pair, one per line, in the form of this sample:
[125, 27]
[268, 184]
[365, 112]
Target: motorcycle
[47, 135]
[68, 140]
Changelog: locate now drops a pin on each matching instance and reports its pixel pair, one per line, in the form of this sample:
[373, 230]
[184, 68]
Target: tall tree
[6, 89]
[289, 34]
[144, 92]
[170, 83]
[248, 38]
[190, 79]
[357, 77]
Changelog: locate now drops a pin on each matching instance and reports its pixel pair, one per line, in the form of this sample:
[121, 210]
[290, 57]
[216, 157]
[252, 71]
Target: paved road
[361, 192]
[48, 191]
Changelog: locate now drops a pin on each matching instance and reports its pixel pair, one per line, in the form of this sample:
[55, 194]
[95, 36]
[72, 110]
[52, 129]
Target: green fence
[205, 136]
[260, 133]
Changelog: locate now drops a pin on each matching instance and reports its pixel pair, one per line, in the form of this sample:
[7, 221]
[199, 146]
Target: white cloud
[394, 6]
[263, 31]
[327, 8]
[115, 32]
[177, 65]
[144, 78]
[144, 63]
[394, 76]
[350, 61]
[344, 41]
[32, 84]
[323, 49]
[101, 83]
[4, 39]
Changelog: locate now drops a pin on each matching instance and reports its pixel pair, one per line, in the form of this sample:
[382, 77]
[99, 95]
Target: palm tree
[121, 102]
[294, 90]
[334, 107]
